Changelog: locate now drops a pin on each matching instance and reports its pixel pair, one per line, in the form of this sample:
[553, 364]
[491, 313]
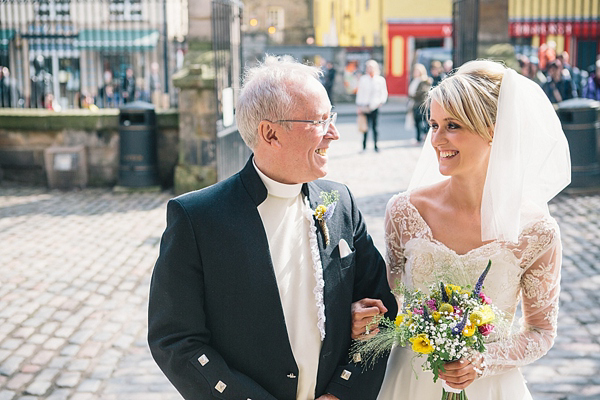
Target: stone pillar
[197, 167]
[493, 34]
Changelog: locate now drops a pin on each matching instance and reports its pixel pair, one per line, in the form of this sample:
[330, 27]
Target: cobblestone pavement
[75, 269]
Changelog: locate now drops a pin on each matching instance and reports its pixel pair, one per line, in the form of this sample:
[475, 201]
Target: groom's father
[251, 294]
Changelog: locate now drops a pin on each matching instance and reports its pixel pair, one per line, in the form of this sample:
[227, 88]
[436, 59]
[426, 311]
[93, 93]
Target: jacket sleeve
[178, 335]
[356, 381]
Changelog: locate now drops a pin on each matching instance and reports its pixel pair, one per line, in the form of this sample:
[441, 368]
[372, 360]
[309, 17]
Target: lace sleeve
[395, 237]
[540, 289]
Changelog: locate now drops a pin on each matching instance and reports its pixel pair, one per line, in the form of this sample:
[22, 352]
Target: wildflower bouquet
[449, 323]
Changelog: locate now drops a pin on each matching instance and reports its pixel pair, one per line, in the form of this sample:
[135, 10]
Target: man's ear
[268, 132]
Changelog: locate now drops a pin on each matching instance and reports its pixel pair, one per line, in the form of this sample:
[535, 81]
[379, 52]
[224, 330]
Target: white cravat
[283, 216]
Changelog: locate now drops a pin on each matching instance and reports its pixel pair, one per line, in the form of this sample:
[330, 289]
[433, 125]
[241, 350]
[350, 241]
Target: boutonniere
[325, 211]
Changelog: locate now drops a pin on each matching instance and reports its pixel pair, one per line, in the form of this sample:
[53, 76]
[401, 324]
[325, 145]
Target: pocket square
[344, 249]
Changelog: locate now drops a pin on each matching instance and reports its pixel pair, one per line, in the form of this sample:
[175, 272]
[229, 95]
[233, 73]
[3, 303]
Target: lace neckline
[429, 232]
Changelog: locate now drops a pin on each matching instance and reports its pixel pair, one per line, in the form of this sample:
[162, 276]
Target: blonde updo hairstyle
[470, 95]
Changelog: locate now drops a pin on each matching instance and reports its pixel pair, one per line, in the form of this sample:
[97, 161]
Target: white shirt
[372, 91]
[287, 230]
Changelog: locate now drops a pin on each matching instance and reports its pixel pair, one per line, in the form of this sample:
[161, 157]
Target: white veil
[529, 161]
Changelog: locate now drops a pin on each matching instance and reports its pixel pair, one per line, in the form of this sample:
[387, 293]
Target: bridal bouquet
[449, 323]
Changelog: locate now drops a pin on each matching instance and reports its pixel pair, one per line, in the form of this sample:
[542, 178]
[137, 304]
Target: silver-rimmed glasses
[325, 123]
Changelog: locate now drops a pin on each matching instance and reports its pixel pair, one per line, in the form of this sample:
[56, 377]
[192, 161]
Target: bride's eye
[433, 126]
[452, 125]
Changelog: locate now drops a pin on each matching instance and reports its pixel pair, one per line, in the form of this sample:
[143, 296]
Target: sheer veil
[529, 161]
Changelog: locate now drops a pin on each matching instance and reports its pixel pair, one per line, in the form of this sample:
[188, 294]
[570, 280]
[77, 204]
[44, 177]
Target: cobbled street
[75, 269]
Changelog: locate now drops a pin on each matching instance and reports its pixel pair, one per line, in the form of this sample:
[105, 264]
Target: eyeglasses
[325, 122]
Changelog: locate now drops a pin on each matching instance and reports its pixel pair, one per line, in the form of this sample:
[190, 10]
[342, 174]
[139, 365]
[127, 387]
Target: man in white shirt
[370, 95]
[252, 293]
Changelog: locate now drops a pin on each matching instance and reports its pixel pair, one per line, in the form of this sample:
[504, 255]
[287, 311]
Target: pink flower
[486, 329]
[431, 304]
[484, 298]
[418, 311]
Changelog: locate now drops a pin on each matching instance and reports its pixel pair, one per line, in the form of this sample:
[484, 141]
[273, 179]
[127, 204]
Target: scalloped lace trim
[318, 268]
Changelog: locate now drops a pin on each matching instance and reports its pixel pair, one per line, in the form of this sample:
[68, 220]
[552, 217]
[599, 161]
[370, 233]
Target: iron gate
[232, 152]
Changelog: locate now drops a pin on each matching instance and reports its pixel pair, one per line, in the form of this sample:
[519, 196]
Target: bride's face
[459, 150]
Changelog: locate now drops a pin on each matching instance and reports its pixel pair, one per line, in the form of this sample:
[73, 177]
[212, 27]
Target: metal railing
[87, 53]
[232, 152]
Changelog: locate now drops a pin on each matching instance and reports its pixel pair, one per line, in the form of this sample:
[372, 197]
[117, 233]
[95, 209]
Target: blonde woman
[494, 157]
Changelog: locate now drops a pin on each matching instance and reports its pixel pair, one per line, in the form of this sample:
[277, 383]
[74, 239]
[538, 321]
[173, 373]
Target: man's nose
[332, 132]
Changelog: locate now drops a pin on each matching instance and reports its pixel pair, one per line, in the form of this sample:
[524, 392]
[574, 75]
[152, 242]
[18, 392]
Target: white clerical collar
[278, 189]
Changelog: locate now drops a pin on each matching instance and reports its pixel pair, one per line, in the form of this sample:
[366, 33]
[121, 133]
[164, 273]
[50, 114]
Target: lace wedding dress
[528, 271]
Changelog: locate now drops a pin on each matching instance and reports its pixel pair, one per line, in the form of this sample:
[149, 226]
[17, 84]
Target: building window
[53, 10]
[275, 23]
[125, 10]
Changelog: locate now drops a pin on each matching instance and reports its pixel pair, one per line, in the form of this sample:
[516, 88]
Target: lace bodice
[527, 270]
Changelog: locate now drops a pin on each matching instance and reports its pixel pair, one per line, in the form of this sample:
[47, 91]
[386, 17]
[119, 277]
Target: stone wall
[26, 133]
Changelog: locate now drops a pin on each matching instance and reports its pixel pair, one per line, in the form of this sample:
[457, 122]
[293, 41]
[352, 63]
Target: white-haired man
[252, 293]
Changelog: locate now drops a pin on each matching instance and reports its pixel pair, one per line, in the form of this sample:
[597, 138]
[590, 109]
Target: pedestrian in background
[437, 72]
[592, 89]
[329, 76]
[417, 92]
[371, 94]
[128, 86]
[558, 87]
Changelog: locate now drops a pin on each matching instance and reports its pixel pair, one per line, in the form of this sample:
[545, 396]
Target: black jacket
[214, 297]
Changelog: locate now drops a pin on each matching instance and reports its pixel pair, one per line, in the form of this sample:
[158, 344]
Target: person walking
[592, 89]
[417, 92]
[371, 94]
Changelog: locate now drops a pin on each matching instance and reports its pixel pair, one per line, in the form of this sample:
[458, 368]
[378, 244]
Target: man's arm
[177, 331]
[355, 380]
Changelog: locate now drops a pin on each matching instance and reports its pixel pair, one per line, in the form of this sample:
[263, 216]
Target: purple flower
[457, 330]
[329, 211]
[444, 294]
[431, 304]
[481, 279]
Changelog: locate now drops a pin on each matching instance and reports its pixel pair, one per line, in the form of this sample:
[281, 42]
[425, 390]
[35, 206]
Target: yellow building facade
[348, 23]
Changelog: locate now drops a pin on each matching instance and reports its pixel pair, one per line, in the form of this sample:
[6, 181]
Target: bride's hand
[363, 312]
[459, 374]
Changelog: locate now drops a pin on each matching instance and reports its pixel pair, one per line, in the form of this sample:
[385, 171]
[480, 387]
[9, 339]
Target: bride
[494, 157]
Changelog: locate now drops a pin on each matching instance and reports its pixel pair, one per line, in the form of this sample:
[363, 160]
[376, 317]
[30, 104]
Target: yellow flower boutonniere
[324, 211]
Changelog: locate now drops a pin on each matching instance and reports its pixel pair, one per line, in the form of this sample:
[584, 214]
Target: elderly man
[252, 293]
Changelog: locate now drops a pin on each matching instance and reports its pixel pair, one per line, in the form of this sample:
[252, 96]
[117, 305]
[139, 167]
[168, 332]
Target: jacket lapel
[262, 263]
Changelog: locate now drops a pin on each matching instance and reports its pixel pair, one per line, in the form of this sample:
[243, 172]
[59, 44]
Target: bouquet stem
[454, 396]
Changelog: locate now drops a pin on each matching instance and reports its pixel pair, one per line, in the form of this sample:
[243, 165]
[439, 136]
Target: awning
[6, 35]
[104, 39]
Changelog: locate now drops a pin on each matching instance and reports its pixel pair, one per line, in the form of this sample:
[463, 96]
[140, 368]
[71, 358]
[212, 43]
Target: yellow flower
[320, 211]
[469, 330]
[452, 288]
[436, 316]
[483, 316]
[465, 291]
[399, 319]
[421, 344]
[445, 307]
